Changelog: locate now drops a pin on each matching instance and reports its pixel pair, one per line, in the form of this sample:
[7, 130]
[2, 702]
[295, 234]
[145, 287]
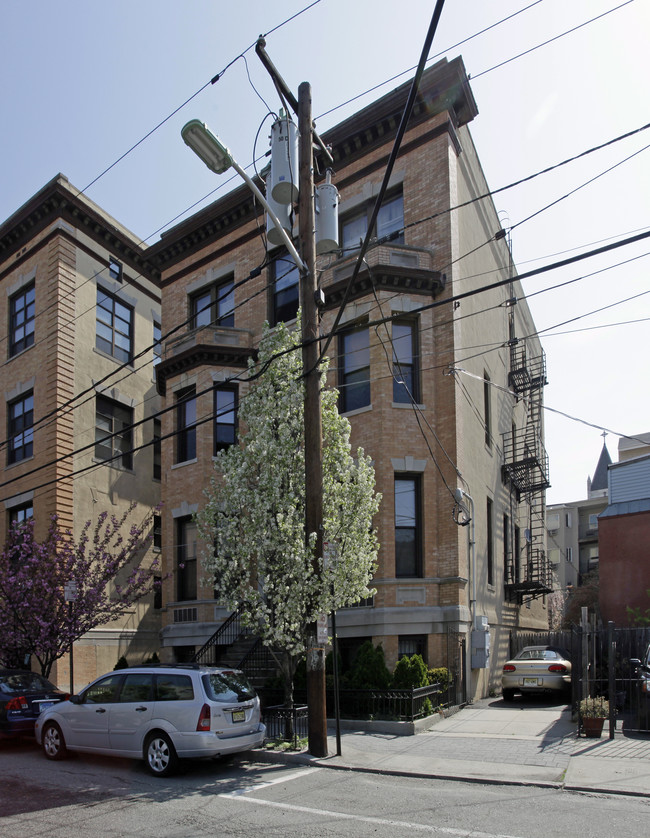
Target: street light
[218, 159]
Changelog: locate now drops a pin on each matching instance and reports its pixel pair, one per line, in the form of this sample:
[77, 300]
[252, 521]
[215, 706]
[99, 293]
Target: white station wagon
[156, 713]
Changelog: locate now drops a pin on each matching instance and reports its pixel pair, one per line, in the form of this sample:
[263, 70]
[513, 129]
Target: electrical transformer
[284, 161]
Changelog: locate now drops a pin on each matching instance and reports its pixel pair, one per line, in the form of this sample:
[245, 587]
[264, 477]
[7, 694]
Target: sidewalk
[521, 743]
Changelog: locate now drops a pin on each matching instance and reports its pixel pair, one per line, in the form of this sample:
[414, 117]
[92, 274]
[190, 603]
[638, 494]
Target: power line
[551, 40]
[213, 415]
[212, 81]
[401, 130]
[432, 58]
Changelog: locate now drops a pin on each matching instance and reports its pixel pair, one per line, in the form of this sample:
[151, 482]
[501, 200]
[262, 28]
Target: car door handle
[140, 709]
[100, 710]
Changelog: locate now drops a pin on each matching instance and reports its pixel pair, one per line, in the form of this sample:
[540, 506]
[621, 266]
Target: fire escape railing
[525, 468]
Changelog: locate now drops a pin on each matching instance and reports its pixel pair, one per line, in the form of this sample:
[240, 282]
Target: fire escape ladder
[525, 469]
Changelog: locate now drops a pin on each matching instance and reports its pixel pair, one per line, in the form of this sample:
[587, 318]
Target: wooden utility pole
[313, 417]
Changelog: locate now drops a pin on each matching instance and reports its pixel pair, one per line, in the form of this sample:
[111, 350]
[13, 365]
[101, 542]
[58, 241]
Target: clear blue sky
[84, 81]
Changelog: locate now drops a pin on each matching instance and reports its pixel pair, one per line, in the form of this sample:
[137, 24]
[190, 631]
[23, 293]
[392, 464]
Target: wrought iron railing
[288, 724]
[228, 632]
[391, 704]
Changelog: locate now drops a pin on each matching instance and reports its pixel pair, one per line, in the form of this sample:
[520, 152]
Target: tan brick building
[79, 301]
[444, 395]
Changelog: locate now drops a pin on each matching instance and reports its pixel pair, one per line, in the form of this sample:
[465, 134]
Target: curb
[303, 758]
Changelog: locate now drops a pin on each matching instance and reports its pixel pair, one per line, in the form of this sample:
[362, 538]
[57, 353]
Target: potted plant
[593, 712]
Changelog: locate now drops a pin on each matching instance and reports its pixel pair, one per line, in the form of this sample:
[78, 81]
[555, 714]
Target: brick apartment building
[79, 299]
[474, 368]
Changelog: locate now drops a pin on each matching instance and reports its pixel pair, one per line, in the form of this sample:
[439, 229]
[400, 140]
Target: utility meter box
[480, 643]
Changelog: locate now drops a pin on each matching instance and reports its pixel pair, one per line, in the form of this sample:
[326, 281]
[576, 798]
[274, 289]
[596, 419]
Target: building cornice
[201, 355]
[59, 200]
[444, 88]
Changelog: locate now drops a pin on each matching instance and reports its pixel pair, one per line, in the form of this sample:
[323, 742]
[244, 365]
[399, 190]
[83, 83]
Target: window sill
[185, 463]
[19, 462]
[113, 464]
[359, 410]
[408, 406]
[109, 357]
[18, 354]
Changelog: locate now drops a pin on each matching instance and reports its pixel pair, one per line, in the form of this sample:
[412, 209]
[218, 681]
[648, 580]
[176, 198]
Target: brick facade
[60, 244]
[441, 444]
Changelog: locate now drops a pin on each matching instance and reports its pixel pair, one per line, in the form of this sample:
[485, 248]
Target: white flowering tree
[254, 518]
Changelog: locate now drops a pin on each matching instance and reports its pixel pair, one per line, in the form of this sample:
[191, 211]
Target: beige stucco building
[81, 304]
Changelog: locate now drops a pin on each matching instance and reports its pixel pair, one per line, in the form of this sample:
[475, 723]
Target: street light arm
[218, 158]
[276, 221]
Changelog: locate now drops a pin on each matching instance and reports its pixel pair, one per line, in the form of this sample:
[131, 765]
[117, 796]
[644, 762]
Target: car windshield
[538, 655]
[24, 682]
[228, 686]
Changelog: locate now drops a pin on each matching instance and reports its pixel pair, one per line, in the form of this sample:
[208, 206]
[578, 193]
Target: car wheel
[160, 755]
[508, 695]
[53, 742]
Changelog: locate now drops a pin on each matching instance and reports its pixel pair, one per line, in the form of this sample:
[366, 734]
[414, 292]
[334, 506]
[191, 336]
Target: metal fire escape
[525, 469]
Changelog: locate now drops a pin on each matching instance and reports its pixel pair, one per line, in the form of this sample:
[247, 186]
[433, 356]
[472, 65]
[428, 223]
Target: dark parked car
[642, 697]
[23, 695]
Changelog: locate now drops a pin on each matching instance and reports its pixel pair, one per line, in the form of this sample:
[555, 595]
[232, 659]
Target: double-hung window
[487, 411]
[21, 319]
[20, 514]
[285, 277]
[390, 222]
[186, 425]
[355, 369]
[186, 555]
[157, 449]
[113, 432]
[489, 515]
[406, 384]
[21, 428]
[225, 417]
[214, 305]
[408, 526]
[114, 328]
[157, 345]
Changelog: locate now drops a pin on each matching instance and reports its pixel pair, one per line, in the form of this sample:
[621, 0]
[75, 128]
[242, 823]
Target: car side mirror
[75, 699]
[635, 662]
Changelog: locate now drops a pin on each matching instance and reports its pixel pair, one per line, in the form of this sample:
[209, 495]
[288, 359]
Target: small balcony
[396, 267]
[208, 345]
[525, 461]
[530, 576]
[526, 372]
[528, 569]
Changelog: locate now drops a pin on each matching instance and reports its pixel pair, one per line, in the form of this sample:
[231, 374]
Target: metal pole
[70, 607]
[611, 663]
[337, 705]
[317, 725]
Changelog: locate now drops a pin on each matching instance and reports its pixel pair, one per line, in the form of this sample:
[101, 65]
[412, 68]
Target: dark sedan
[23, 695]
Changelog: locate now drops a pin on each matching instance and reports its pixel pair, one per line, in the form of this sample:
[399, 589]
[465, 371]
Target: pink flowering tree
[105, 565]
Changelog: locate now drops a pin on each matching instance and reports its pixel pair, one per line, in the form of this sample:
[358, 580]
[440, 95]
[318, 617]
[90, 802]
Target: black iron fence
[388, 705]
[286, 724]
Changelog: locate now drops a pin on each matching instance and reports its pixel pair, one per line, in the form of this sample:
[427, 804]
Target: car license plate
[530, 682]
[238, 716]
[43, 705]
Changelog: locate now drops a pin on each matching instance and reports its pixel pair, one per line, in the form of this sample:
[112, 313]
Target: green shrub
[439, 675]
[410, 673]
[369, 670]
